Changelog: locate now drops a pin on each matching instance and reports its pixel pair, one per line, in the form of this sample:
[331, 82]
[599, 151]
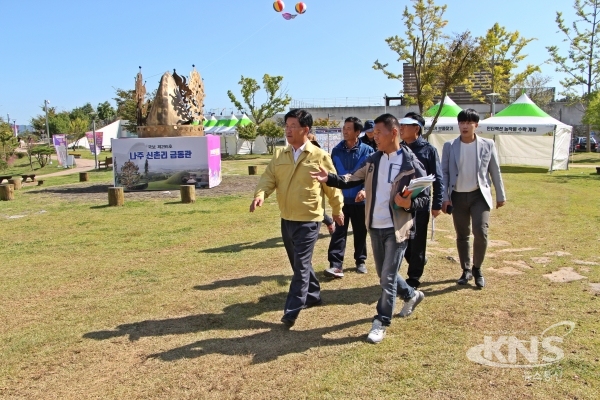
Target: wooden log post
[252, 169]
[7, 192]
[16, 182]
[188, 193]
[84, 177]
[40, 182]
[116, 196]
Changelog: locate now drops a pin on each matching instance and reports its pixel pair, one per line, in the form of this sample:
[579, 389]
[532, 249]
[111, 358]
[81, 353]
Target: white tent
[446, 127]
[110, 131]
[526, 135]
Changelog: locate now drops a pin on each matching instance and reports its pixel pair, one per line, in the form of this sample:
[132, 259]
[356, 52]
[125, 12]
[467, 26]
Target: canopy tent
[226, 128]
[225, 125]
[446, 127]
[110, 131]
[209, 123]
[526, 135]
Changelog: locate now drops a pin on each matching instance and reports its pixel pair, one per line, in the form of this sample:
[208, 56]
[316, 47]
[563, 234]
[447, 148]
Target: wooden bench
[105, 148]
[75, 155]
[106, 163]
[3, 177]
[25, 177]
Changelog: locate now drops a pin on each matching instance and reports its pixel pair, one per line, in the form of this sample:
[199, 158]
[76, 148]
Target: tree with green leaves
[503, 53]
[460, 58]
[581, 63]
[8, 140]
[42, 153]
[127, 108]
[421, 48]
[106, 112]
[272, 133]
[277, 98]
[249, 133]
[77, 129]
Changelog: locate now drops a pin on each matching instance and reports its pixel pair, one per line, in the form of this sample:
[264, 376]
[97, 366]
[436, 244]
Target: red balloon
[278, 6]
[300, 8]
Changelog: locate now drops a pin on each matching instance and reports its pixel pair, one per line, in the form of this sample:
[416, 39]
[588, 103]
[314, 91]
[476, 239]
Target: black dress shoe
[479, 280]
[465, 277]
[288, 322]
[413, 282]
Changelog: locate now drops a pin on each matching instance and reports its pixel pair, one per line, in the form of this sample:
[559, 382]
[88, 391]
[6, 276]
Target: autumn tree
[503, 52]
[421, 48]
[77, 129]
[580, 62]
[130, 175]
[248, 132]
[460, 58]
[277, 98]
[8, 141]
[272, 133]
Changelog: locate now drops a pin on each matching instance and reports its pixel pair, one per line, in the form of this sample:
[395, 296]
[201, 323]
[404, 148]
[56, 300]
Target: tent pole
[553, 148]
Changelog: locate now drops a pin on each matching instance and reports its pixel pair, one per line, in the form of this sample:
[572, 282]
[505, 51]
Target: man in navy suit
[468, 162]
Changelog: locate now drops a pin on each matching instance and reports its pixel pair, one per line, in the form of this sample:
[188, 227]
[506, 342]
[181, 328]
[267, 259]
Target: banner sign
[60, 145]
[516, 129]
[95, 149]
[166, 163]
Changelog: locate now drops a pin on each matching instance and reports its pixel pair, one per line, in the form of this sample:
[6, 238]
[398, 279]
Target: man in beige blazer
[468, 162]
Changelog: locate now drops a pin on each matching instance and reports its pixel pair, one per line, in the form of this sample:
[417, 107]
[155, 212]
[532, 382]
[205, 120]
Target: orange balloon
[300, 8]
[278, 6]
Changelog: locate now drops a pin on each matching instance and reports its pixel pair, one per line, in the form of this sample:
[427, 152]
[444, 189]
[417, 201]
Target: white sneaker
[377, 332]
[334, 273]
[411, 304]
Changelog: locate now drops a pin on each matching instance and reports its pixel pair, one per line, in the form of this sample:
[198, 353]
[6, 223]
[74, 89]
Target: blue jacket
[346, 161]
[428, 156]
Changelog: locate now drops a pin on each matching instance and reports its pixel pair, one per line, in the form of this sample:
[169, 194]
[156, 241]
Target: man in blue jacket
[411, 131]
[347, 156]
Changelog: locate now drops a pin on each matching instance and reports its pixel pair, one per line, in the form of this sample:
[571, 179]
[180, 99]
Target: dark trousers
[299, 239]
[353, 214]
[469, 209]
[417, 246]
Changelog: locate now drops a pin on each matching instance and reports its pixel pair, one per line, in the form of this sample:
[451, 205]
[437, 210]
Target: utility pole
[46, 102]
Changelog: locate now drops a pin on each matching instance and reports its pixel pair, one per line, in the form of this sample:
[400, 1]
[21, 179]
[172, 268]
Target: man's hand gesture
[320, 176]
[257, 202]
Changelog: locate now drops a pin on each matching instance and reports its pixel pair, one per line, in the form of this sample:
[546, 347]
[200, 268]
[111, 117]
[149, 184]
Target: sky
[74, 52]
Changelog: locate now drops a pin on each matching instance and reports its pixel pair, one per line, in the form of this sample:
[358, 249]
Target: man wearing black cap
[369, 134]
[411, 131]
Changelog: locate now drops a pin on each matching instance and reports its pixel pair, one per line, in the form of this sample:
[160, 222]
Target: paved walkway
[82, 165]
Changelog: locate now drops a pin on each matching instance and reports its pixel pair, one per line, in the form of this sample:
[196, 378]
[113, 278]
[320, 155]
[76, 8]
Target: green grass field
[159, 299]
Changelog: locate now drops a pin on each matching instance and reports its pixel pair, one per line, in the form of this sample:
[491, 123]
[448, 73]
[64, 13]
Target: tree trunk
[252, 169]
[188, 193]
[116, 196]
[7, 192]
[84, 177]
[16, 182]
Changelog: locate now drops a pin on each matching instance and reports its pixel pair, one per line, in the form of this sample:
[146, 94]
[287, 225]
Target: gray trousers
[470, 210]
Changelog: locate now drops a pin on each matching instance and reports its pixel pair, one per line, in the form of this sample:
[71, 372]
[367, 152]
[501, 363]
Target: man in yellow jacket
[301, 206]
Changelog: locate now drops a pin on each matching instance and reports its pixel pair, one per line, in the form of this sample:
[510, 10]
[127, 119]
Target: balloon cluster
[279, 6]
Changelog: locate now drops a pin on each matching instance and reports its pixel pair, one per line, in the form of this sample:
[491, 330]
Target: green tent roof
[522, 107]
[450, 109]
[212, 121]
[244, 120]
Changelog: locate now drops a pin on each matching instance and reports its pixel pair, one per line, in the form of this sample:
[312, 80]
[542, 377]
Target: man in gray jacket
[468, 162]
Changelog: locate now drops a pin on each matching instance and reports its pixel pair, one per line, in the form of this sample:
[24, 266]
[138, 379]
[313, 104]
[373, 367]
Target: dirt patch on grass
[519, 263]
[557, 253]
[563, 275]
[231, 185]
[541, 260]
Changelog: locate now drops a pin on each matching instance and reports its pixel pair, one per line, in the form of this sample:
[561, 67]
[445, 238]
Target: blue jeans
[388, 254]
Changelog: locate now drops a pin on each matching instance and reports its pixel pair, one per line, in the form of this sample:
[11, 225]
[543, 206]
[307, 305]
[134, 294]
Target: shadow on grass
[282, 280]
[515, 169]
[264, 346]
[88, 189]
[99, 207]
[265, 244]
